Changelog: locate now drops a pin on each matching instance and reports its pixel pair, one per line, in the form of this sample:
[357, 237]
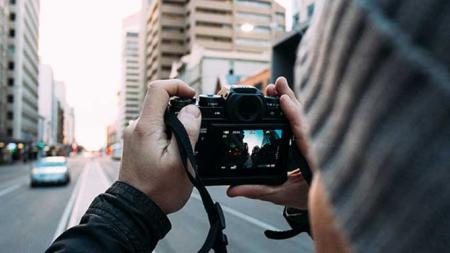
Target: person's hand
[151, 161]
[294, 192]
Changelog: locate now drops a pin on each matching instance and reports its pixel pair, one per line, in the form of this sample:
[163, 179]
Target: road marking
[94, 182]
[10, 189]
[67, 210]
[240, 215]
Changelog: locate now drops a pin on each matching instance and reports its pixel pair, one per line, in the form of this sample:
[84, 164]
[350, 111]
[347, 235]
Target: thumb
[249, 191]
[191, 119]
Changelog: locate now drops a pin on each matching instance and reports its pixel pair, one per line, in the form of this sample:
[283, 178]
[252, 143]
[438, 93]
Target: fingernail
[192, 110]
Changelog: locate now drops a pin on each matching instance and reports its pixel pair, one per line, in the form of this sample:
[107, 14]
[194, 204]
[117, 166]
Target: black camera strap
[297, 219]
[215, 239]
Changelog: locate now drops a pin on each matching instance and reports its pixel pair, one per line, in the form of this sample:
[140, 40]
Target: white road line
[240, 215]
[10, 189]
[94, 182]
[67, 210]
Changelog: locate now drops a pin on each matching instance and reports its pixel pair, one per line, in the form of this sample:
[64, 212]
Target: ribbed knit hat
[374, 81]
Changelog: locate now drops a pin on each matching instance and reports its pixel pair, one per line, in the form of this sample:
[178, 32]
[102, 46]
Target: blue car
[50, 170]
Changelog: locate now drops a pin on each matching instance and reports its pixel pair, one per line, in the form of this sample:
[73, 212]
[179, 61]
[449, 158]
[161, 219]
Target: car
[50, 170]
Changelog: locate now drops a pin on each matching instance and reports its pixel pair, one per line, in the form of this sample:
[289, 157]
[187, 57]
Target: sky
[81, 41]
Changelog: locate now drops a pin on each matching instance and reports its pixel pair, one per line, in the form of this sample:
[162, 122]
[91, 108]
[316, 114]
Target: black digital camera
[244, 137]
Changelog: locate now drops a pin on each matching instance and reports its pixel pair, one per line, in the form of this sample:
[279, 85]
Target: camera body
[244, 137]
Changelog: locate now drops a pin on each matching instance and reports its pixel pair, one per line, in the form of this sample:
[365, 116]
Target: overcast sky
[81, 40]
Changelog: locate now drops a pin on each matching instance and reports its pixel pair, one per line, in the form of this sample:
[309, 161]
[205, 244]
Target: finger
[190, 117]
[292, 112]
[282, 87]
[157, 97]
[250, 191]
[271, 90]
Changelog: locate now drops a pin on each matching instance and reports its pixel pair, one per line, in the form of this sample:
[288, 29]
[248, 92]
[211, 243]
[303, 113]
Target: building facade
[4, 19]
[47, 105]
[208, 70]
[23, 70]
[303, 11]
[175, 28]
[130, 95]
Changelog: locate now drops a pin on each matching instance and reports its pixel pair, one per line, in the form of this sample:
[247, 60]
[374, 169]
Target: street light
[247, 27]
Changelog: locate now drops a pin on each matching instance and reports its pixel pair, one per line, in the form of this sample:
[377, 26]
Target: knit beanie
[373, 77]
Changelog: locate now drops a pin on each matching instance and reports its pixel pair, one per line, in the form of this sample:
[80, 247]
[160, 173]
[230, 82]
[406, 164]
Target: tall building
[64, 116]
[131, 86]
[303, 11]
[23, 70]
[3, 67]
[47, 105]
[175, 28]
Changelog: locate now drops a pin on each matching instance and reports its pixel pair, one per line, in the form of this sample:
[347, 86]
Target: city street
[31, 217]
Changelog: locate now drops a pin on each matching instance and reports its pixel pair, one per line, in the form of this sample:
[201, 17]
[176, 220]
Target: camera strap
[297, 219]
[215, 239]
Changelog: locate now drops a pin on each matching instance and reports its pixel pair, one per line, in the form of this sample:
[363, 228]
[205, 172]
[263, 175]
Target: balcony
[214, 31]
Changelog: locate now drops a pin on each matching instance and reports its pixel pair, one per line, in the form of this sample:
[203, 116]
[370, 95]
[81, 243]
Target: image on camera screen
[246, 149]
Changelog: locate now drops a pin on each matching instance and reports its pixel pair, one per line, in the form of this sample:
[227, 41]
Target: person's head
[373, 79]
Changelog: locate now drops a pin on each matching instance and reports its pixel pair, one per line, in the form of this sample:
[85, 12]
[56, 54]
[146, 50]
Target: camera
[244, 137]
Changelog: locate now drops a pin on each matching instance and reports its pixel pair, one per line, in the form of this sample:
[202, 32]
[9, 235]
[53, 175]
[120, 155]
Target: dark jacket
[122, 219]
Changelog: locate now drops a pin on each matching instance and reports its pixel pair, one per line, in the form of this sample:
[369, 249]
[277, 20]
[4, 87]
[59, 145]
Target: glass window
[256, 16]
[255, 3]
[310, 10]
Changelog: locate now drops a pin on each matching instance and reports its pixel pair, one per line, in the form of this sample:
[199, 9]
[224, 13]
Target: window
[10, 132]
[10, 99]
[131, 34]
[12, 33]
[310, 10]
[253, 3]
[10, 82]
[11, 65]
[10, 116]
[12, 16]
[12, 2]
[256, 16]
[253, 42]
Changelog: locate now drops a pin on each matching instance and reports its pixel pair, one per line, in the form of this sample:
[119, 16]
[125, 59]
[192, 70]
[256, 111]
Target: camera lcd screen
[249, 149]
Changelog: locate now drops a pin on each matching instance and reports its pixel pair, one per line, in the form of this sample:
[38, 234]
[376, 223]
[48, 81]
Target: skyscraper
[3, 66]
[23, 70]
[175, 28]
[47, 105]
[131, 85]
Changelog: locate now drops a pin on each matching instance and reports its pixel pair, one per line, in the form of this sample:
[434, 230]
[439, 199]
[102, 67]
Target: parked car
[50, 170]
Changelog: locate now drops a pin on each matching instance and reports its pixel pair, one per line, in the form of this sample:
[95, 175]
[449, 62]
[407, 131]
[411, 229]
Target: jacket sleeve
[122, 219]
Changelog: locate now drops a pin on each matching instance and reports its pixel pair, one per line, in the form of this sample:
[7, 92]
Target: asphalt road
[246, 221]
[30, 217]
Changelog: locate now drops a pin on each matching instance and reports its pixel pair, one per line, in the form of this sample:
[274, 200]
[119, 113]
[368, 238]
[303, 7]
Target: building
[47, 106]
[207, 70]
[23, 70]
[3, 67]
[64, 116]
[259, 80]
[130, 95]
[111, 136]
[176, 28]
[303, 11]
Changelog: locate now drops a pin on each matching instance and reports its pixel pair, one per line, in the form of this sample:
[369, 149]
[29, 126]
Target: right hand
[294, 192]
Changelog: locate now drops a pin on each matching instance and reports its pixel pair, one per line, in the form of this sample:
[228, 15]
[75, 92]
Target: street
[30, 218]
